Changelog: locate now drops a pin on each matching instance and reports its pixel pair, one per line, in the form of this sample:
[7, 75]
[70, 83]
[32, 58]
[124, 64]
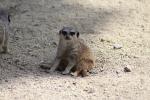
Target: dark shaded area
[26, 61]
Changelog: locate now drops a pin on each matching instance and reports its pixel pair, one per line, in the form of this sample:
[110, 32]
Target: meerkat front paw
[65, 72]
[75, 74]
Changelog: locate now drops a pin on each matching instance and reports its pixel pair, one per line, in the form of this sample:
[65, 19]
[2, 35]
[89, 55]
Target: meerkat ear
[78, 34]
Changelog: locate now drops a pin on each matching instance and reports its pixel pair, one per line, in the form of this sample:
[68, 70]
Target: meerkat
[4, 30]
[73, 54]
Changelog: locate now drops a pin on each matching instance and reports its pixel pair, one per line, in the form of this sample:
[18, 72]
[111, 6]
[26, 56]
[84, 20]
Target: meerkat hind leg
[84, 73]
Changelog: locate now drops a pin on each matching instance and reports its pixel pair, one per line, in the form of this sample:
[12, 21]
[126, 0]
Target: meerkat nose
[67, 38]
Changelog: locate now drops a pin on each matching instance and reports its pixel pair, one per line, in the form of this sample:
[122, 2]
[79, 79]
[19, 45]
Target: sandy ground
[102, 24]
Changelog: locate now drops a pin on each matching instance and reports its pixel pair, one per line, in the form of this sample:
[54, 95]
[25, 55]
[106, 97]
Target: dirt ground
[102, 24]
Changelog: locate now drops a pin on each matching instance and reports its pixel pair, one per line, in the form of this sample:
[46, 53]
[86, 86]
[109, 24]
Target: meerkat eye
[72, 33]
[64, 32]
[9, 19]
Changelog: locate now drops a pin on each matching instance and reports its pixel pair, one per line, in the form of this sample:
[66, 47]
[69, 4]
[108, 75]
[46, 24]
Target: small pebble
[117, 46]
[126, 69]
[74, 83]
[92, 41]
[89, 90]
[102, 40]
[54, 44]
[117, 72]
[53, 6]
[16, 61]
[6, 80]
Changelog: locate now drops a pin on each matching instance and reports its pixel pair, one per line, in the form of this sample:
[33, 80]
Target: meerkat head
[68, 33]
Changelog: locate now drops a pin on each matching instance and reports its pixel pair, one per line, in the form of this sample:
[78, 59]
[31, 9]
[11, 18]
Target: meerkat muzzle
[68, 38]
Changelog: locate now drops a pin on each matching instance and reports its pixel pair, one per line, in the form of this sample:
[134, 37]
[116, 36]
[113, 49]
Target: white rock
[117, 46]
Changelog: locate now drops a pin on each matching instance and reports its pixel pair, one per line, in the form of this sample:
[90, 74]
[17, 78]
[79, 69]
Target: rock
[108, 41]
[24, 11]
[45, 66]
[37, 46]
[16, 37]
[53, 6]
[54, 44]
[6, 80]
[117, 46]
[36, 24]
[117, 72]
[126, 69]
[102, 40]
[21, 68]
[89, 90]
[74, 83]
[17, 61]
[92, 41]
[93, 72]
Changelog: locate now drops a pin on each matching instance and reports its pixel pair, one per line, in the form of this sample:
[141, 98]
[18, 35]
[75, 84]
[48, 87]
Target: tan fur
[85, 60]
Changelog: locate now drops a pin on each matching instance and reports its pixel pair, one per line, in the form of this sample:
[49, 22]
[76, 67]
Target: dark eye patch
[64, 32]
[72, 33]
